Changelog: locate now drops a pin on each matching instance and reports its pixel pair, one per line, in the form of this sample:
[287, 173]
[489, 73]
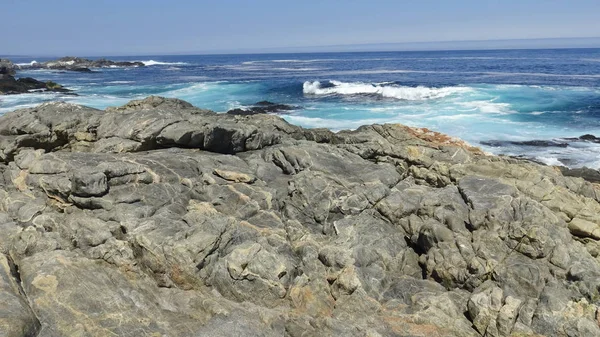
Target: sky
[148, 27]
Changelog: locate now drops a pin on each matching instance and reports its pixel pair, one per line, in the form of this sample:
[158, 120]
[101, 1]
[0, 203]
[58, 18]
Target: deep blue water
[478, 96]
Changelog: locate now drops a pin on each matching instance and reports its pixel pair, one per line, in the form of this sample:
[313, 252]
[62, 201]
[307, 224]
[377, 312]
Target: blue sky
[129, 27]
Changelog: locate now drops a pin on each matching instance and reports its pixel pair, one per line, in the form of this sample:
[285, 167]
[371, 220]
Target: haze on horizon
[135, 27]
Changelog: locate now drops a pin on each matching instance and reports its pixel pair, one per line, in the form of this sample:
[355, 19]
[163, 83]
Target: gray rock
[16, 317]
[81, 64]
[159, 218]
[7, 67]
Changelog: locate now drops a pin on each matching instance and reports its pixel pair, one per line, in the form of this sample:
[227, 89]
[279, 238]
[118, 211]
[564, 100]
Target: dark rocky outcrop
[80, 64]
[584, 138]
[262, 107]
[159, 218]
[10, 85]
[559, 142]
[586, 173]
[536, 143]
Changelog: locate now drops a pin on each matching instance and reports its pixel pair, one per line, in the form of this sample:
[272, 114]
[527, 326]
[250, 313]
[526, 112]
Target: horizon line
[355, 48]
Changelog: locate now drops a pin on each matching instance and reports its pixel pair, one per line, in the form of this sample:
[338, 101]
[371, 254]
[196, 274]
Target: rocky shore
[80, 64]
[158, 218]
[9, 85]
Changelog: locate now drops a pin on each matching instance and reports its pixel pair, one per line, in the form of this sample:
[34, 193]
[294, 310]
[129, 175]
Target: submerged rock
[159, 218]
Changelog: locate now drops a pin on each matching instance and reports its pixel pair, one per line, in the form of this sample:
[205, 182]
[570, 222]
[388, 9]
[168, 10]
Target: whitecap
[487, 107]
[390, 91]
[159, 63]
[553, 161]
[27, 64]
[295, 69]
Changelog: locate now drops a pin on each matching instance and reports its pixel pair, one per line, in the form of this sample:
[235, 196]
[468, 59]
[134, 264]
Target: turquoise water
[479, 96]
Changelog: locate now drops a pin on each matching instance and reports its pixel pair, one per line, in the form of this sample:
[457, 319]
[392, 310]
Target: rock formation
[161, 219]
[80, 64]
[263, 107]
[10, 85]
[7, 67]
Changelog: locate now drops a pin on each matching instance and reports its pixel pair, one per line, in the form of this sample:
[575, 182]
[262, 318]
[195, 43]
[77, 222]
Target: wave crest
[389, 91]
[159, 63]
[32, 63]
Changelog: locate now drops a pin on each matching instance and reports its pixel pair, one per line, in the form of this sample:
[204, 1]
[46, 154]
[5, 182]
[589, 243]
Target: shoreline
[249, 221]
[265, 107]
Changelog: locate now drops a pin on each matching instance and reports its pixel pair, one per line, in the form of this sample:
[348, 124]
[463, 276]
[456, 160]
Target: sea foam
[159, 63]
[27, 64]
[389, 91]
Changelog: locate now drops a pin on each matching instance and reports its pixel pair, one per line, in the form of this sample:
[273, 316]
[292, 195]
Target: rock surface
[7, 67]
[10, 85]
[262, 107]
[80, 64]
[161, 219]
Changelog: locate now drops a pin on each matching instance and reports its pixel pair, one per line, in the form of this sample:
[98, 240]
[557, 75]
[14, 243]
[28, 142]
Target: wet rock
[262, 107]
[10, 86]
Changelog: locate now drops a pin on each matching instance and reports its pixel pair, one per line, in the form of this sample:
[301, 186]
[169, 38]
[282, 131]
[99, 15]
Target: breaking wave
[389, 91]
[27, 63]
[159, 63]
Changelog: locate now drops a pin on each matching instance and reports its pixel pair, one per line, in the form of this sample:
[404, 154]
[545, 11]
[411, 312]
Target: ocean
[499, 100]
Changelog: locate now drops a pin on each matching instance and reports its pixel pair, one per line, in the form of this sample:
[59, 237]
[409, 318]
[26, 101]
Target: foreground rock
[80, 64]
[10, 85]
[159, 218]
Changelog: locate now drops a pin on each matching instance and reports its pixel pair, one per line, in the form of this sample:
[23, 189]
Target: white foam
[295, 69]
[487, 107]
[120, 82]
[333, 124]
[453, 117]
[159, 63]
[389, 91]
[27, 64]
[549, 160]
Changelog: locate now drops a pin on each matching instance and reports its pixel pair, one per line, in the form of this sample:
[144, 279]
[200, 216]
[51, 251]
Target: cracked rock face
[161, 219]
